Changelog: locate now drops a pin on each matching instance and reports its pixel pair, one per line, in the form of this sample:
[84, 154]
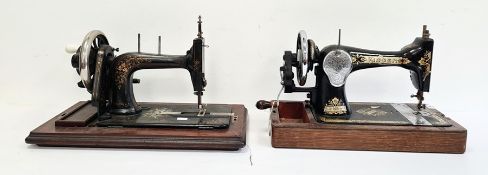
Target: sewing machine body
[329, 112]
[410, 58]
[113, 118]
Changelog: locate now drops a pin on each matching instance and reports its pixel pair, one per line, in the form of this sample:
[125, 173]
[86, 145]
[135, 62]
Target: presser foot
[420, 98]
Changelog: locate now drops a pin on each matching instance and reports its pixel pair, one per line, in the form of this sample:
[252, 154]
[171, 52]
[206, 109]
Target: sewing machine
[113, 118]
[329, 121]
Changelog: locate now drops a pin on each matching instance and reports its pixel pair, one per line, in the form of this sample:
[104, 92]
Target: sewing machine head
[112, 118]
[333, 64]
[108, 77]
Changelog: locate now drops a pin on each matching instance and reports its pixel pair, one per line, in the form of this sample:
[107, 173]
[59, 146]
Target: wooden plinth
[295, 127]
[71, 132]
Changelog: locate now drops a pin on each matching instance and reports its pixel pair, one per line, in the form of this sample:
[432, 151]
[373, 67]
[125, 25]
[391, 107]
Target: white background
[247, 40]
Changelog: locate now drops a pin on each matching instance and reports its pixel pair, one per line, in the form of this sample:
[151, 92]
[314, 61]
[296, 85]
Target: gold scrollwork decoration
[124, 67]
[335, 106]
[372, 112]
[358, 58]
[426, 61]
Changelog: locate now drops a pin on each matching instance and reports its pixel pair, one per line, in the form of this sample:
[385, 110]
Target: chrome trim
[337, 65]
[415, 117]
[302, 57]
[84, 57]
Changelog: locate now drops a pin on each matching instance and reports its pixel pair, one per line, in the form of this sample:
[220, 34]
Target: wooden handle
[263, 104]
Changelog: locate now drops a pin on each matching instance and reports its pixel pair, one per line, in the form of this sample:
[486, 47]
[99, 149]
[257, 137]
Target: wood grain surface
[295, 127]
[232, 138]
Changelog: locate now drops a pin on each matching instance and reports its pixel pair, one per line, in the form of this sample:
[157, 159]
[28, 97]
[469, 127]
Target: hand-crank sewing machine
[328, 121]
[113, 118]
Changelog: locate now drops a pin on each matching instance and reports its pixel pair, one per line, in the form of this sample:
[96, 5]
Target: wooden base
[69, 129]
[295, 127]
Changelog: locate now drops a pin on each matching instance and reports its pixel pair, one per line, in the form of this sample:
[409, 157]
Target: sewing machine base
[294, 126]
[77, 127]
[171, 115]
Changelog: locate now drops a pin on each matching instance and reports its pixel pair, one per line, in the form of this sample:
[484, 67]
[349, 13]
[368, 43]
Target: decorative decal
[335, 106]
[426, 61]
[372, 112]
[363, 58]
[125, 67]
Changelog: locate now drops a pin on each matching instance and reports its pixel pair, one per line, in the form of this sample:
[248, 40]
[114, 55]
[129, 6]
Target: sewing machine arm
[333, 64]
[416, 57]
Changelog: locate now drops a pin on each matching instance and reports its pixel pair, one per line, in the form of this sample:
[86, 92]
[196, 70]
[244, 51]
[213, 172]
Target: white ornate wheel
[87, 56]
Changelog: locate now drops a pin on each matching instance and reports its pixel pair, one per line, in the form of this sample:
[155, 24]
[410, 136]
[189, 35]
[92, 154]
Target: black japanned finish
[413, 59]
[123, 67]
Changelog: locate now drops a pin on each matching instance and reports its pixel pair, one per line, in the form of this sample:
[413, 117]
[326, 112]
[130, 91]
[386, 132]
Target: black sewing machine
[328, 106]
[113, 111]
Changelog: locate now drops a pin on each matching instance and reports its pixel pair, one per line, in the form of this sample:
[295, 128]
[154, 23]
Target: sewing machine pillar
[330, 100]
[123, 68]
